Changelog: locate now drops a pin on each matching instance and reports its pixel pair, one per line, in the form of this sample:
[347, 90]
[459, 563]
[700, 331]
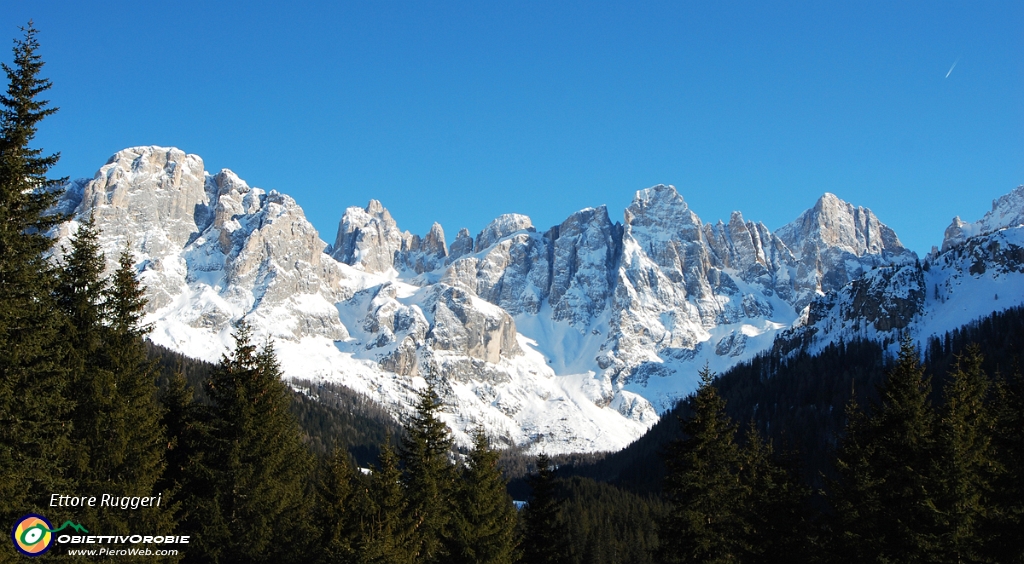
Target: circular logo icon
[31, 535]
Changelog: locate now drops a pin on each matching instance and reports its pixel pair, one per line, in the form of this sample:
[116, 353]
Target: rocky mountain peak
[433, 243]
[153, 185]
[1007, 211]
[227, 182]
[955, 233]
[660, 206]
[369, 238]
[463, 245]
[834, 225]
[501, 227]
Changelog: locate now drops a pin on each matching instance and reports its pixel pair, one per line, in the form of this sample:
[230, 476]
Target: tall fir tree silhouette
[543, 542]
[386, 536]
[256, 463]
[485, 519]
[965, 462]
[430, 477]
[705, 522]
[1005, 543]
[35, 421]
[885, 498]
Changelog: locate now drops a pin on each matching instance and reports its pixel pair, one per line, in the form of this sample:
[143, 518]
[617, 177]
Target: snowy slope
[980, 270]
[572, 338]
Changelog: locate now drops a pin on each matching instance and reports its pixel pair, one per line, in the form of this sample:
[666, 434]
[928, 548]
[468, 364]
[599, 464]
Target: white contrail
[952, 67]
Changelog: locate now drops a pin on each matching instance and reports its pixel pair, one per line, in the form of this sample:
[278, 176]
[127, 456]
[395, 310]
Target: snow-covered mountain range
[573, 338]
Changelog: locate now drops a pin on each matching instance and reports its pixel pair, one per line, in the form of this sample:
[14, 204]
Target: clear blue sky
[458, 112]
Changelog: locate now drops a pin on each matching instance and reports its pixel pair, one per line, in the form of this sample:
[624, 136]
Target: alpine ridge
[572, 338]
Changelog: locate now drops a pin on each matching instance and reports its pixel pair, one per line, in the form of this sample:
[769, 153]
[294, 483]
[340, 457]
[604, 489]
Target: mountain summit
[573, 338]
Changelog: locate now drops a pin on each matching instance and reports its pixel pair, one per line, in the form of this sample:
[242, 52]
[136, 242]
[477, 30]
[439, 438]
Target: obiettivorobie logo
[33, 536]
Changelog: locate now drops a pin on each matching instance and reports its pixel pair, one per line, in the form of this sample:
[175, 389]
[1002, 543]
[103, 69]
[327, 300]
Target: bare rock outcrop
[470, 326]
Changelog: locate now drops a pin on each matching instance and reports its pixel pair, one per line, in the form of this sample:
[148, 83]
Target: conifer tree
[1006, 500]
[34, 409]
[129, 456]
[256, 461]
[80, 291]
[179, 418]
[776, 523]
[118, 436]
[79, 295]
[485, 520]
[429, 477]
[705, 522]
[189, 476]
[336, 509]
[965, 460]
[885, 498]
[385, 535]
[543, 542]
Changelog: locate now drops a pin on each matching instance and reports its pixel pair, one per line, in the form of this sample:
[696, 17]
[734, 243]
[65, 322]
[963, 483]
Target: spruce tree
[855, 536]
[885, 499]
[543, 541]
[1006, 498]
[429, 477]
[385, 534]
[776, 522]
[79, 295]
[485, 519]
[256, 461]
[336, 509]
[189, 475]
[705, 522]
[179, 419]
[129, 459]
[34, 410]
[118, 436]
[966, 462]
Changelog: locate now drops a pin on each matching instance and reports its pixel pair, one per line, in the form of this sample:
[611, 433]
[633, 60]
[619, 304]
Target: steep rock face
[475, 329]
[369, 238]
[660, 226]
[501, 227]
[265, 260]
[509, 268]
[1007, 211]
[678, 278]
[144, 186]
[463, 245]
[432, 252]
[585, 250]
[835, 243]
[151, 186]
[751, 251]
[237, 251]
[399, 330]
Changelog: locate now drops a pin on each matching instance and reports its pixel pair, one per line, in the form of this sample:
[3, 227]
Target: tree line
[913, 482]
